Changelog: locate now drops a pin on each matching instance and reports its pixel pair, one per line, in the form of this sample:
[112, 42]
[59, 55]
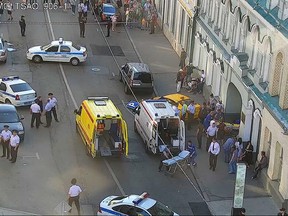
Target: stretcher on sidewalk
[181, 161]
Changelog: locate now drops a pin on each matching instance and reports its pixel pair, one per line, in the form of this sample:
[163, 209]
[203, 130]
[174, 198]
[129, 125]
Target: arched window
[284, 95]
[226, 18]
[266, 59]
[237, 30]
[210, 8]
[243, 36]
[254, 42]
[275, 89]
[216, 13]
[210, 69]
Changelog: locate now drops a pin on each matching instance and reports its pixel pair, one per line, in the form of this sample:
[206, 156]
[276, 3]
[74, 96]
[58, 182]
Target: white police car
[58, 51]
[16, 91]
[133, 205]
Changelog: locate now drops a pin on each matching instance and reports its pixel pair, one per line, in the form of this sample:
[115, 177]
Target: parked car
[58, 51]
[136, 76]
[16, 91]
[3, 51]
[9, 116]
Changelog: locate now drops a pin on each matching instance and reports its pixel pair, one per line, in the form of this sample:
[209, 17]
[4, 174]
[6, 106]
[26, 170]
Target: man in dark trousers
[35, 110]
[82, 21]
[53, 100]
[5, 136]
[74, 195]
[22, 24]
[47, 113]
[263, 163]
[108, 26]
[183, 56]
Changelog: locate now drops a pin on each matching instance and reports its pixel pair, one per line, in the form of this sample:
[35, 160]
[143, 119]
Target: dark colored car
[137, 76]
[9, 116]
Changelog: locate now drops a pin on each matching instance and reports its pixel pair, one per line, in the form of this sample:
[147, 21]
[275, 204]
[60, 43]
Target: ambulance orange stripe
[88, 112]
[85, 134]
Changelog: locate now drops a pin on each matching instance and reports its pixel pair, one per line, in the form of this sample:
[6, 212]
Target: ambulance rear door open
[182, 135]
[124, 136]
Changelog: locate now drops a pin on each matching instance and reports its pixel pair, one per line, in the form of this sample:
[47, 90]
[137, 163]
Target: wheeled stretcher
[180, 160]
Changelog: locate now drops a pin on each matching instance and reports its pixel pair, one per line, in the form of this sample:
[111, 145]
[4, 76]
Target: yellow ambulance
[102, 127]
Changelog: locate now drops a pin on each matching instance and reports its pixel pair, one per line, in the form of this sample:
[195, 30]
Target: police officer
[82, 21]
[5, 139]
[53, 100]
[35, 110]
[22, 24]
[47, 112]
[14, 145]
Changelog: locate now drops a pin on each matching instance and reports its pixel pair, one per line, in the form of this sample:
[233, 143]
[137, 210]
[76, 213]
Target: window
[65, 49]
[130, 210]
[174, 16]
[182, 26]
[160, 209]
[3, 87]
[143, 77]
[8, 117]
[20, 87]
[168, 12]
[76, 47]
[52, 49]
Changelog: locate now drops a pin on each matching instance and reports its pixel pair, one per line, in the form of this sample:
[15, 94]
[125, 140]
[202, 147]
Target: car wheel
[7, 101]
[37, 59]
[74, 61]
[147, 150]
[121, 79]
[77, 129]
[135, 128]
[126, 89]
[5, 61]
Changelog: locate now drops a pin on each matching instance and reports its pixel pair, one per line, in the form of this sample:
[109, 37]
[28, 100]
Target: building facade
[242, 47]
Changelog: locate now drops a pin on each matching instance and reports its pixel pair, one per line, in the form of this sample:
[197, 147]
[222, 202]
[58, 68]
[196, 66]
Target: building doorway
[233, 105]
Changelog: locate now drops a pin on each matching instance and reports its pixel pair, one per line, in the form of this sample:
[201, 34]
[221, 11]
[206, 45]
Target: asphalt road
[49, 158]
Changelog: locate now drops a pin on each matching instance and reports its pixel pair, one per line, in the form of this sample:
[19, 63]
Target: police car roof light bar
[60, 40]
[140, 198]
[10, 78]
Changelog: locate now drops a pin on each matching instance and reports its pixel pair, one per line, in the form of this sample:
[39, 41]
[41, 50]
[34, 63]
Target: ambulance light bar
[97, 98]
[140, 198]
[10, 78]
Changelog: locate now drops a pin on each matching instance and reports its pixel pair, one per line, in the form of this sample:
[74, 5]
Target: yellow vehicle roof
[177, 98]
[102, 106]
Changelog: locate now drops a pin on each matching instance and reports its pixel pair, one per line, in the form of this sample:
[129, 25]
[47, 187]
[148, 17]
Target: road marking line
[76, 106]
[37, 155]
[115, 178]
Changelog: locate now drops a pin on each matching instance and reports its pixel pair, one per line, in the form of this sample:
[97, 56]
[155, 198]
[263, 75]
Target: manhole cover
[95, 69]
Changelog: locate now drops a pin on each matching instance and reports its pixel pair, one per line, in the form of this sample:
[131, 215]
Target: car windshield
[160, 209]
[76, 47]
[143, 77]
[45, 47]
[8, 117]
[20, 87]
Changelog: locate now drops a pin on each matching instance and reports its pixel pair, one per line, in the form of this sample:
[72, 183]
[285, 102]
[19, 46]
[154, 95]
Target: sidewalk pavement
[218, 186]
[5, 211]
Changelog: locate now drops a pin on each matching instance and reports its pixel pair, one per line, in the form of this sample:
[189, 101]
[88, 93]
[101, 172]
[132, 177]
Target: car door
[64, 54]
[3, 89]
[51, 53]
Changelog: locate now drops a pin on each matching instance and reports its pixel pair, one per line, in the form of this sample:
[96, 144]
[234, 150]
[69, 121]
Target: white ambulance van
[158, 124]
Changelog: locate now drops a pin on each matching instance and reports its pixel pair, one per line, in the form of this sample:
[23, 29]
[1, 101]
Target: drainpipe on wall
[195, 12]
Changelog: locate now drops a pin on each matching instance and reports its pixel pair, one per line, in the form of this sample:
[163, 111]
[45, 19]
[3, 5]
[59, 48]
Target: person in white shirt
[214, 150]
[47, 112]
[5, 140]
[220, 106]
[14, 145]
[114, 19]
[74, 195]
[54, 101]
[191, 112]
[35, 110]
[211, 133]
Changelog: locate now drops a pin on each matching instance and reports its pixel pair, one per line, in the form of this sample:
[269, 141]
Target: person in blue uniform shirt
[47, 112]
[192, 149]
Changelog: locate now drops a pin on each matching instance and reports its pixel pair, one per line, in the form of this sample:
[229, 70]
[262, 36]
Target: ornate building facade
[242, 47]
